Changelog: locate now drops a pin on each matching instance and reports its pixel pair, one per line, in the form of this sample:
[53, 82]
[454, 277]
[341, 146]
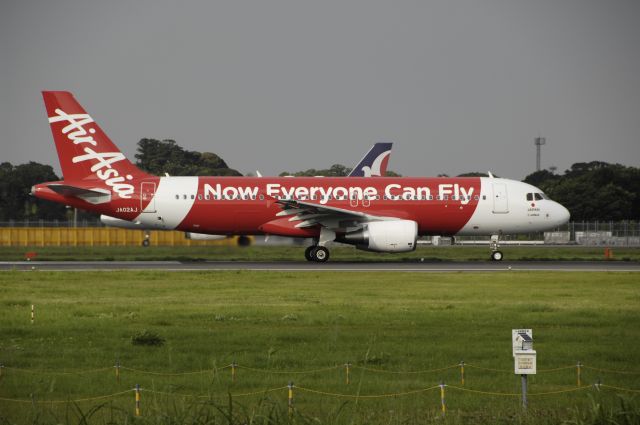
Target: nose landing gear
[496, 254]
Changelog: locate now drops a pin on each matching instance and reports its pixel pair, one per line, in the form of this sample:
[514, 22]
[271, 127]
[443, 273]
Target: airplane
[374, 163]
[380, 214]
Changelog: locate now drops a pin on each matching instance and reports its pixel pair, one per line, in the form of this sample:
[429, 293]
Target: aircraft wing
[311, 214]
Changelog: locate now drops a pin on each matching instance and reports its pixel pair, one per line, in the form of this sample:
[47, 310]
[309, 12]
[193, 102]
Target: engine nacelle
[203, 236]
[384, 236]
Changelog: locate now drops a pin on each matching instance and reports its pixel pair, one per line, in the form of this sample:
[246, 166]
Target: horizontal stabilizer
[92, 196]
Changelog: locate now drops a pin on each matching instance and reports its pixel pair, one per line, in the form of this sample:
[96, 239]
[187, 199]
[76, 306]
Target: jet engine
[384, 236]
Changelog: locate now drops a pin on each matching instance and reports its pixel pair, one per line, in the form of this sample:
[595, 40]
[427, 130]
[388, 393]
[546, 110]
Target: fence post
[524, 391]
[579, 372]
[233, 371]
[442, 399]
[117, 366]
[137, 399]
[33, 313]
[290, 398]
[462, 372]
[347, 370]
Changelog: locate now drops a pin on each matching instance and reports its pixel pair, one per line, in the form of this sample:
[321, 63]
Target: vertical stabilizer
[84, 150]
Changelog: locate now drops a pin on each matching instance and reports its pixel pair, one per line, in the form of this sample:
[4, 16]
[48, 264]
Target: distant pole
[539, 141]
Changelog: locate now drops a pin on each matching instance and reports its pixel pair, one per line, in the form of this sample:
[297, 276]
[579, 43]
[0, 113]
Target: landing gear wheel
[307, 253]
[496, 256]
[320, 254]
[145, 243]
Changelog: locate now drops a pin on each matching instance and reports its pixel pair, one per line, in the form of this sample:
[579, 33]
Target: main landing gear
[319, 254]
[496, 254]
[146, 241]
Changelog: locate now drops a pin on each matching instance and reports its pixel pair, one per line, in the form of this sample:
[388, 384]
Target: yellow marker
[347, 366]
[117, 366]
[233, 371]
[137, 399]
[462, 373]
[442, 401]
[290, 398]
[579, 370]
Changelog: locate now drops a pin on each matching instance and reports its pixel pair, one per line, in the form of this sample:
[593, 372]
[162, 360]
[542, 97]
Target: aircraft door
[500, 200]
[353, 200]
[147, 197]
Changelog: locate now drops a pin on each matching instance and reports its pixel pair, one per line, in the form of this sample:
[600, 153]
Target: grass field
[295, 253]
[286, 322]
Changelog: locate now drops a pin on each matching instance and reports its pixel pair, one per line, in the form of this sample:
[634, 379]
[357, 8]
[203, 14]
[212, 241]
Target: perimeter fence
[288, 388]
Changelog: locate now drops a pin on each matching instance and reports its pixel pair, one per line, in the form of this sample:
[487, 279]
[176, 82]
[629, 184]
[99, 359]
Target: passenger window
[538, 196]
[476, 197]
[193, 197]
[261, 197]
[207, 197]
[199, 197]
[177, 196]
[184, 196]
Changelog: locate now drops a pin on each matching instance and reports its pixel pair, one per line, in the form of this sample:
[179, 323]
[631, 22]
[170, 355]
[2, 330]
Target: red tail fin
[84, 150]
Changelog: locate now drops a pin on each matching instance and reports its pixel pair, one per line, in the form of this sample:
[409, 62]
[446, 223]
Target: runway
[470, 266]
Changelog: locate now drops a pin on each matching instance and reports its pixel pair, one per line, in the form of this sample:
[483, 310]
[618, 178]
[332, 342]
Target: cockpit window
[529, 196]
[538, 196]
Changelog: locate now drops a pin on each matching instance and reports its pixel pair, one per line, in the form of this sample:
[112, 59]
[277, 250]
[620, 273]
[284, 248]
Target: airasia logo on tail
[375, 169]
[103, 167]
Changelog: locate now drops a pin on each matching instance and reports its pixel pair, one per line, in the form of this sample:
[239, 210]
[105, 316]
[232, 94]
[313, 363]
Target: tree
[15, 187]
[166, 156]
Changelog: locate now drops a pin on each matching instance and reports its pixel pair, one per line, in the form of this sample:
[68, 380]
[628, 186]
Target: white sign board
[522, 340]
[525, 362]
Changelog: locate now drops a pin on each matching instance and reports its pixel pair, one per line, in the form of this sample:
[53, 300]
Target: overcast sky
[272, 85]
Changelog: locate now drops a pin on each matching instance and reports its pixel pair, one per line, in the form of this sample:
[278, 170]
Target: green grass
[295, 253]
[289, 321]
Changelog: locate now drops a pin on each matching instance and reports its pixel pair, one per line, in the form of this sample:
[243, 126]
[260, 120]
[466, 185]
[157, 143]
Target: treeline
[591, 191]
[166, 156]
[336, 170]
[153, 156]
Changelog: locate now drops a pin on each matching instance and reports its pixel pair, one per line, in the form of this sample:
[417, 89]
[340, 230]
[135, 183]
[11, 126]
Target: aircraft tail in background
[374, 163]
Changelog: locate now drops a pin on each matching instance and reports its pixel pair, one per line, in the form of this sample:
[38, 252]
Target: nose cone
[562, 214]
